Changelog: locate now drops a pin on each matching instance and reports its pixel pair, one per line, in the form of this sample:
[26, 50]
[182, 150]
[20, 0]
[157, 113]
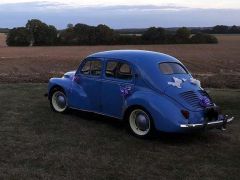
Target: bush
[201, 38]
[18, 37]
[128, 39]
[183, 35]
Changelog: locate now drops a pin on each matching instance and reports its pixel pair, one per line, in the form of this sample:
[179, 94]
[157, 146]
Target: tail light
[185, 114]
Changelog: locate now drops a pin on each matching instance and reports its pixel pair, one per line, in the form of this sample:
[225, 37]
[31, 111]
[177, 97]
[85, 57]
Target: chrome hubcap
[142, 122]
[61, 102]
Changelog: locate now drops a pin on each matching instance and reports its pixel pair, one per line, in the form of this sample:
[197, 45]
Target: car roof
[135, 56]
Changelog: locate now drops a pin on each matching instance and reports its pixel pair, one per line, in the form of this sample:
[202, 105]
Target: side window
[86, 68]
[124, 71]
[111, 69]
[96, 67]
[93, 68]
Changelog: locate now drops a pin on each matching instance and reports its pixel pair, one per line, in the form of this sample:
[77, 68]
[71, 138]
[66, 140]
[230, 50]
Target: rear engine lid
[187, 92]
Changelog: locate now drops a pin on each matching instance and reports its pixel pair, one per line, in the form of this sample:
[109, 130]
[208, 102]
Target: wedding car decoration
[151, 91]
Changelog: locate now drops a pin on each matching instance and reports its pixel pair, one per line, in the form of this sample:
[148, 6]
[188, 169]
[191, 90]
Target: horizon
[121, 14]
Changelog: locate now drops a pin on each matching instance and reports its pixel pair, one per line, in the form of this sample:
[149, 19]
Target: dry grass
[208, 62]
[37, 143]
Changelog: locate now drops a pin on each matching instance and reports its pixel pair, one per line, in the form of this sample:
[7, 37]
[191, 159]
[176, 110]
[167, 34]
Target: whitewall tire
[140, 123]
[58, 101]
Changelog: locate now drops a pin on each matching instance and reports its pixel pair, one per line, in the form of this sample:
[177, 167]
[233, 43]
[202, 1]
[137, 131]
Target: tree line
[219, 29]
[38, 33]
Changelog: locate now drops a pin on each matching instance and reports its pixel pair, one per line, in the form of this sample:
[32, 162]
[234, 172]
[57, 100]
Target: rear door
[118, 76]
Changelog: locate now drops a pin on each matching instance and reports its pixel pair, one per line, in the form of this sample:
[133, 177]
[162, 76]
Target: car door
[118, 76]
[87, 85]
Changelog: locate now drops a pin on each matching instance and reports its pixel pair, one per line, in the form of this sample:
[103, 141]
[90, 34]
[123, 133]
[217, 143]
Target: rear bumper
[212, 124]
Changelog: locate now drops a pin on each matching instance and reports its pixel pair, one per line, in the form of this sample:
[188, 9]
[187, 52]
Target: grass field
[36, 143]
[217, 65]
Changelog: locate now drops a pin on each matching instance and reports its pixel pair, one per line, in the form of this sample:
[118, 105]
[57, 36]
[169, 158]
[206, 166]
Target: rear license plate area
[211, 114]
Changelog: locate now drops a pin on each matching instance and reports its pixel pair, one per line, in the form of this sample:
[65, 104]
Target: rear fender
[166, 113]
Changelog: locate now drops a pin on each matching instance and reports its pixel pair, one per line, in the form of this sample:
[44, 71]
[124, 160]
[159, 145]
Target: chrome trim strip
[215, 122]
[190, 125]
[230, 119]
[210, 123]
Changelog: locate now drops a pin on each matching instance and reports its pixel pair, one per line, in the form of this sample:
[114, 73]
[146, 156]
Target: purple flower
[125, 90]
[205, 101]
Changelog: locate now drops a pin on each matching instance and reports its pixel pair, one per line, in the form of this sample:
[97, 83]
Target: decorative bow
[125, 90]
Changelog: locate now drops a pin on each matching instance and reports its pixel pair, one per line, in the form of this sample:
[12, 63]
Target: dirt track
[216, 65]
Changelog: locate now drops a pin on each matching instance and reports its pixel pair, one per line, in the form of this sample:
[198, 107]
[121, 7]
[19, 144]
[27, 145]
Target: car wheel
[58, 101]
[140, 123]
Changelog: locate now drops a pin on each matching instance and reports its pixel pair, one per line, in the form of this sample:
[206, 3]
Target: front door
[116, 87]
[87, 86]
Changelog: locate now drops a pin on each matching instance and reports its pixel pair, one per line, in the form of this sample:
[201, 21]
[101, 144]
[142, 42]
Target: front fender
[166, 113]
[64, 83]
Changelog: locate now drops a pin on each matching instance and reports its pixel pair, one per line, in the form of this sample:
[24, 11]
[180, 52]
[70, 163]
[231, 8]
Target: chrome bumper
[219, 123]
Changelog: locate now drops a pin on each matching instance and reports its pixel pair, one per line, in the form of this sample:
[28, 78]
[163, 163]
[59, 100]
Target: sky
[121, 13]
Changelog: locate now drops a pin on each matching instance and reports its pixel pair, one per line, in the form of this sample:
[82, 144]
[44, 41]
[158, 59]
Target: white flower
[177, 82]
[195, 82]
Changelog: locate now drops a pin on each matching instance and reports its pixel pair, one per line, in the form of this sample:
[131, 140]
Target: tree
[18, 37]
[201, 38]
[220, 29]
[154, 35]
[84, 34]
[68, 37]
[41, 33]
[105, 35]
[52, 35]
[183, 35]
[234, 30]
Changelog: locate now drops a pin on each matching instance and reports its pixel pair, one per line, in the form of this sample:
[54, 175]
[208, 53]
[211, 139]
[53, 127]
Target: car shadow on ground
[205, 136]
[97, 118]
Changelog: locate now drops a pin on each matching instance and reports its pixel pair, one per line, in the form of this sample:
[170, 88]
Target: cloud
[139, 7]
[117, 16]
[45, 5]
[31, 6]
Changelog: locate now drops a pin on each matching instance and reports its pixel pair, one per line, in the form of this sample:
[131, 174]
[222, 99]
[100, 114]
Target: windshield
[172, 68]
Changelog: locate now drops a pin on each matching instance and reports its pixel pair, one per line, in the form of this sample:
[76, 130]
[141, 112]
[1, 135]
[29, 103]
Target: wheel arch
[131, 108]
[55, 87]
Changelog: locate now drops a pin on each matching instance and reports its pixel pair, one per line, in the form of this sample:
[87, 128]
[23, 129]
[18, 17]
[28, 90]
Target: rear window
[172, 68]
[124, 71]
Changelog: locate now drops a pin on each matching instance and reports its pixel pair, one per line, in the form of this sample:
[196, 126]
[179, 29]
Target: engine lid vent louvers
[191, 98]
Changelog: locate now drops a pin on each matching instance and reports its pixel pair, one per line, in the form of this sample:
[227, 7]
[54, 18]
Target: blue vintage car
[150, 90]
